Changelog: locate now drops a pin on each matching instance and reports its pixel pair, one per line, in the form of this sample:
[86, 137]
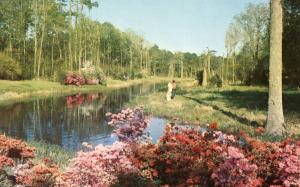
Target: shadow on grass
[252, 99]
[227, 113]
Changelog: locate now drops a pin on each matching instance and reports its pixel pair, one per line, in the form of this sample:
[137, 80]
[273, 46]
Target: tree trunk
[204, 79]
[35, 39]
[70, 35]
[131, 63]
[208, 66]
[233, 68]
[275, 120]
[42, 40]
[181, 61]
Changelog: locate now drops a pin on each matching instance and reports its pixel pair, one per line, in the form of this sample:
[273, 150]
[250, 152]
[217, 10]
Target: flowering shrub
[288, 170]
[36, 175]
[204, 156]
[15, 149]
[74, 78]
[184, 156]
[99, 167]
[236, 170]
[277, 163]
[5, 161]
[94, 75]
[130, 125]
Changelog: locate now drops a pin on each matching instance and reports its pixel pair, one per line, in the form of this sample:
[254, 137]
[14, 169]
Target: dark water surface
[70, 120]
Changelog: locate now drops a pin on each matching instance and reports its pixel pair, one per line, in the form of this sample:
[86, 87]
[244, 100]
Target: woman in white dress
[169, 93]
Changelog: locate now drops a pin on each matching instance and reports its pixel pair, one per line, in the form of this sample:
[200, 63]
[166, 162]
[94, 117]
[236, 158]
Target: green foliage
[94, 73]
[100, 76]
[133, 180]
[70, 38]
[291, 43]
[116, 72]
[142, 74]
[216, 81]
[9, 68]
[199, 77]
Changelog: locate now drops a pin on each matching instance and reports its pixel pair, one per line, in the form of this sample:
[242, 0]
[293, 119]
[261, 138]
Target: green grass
[55, 153]
[232, 107]
[249, 104]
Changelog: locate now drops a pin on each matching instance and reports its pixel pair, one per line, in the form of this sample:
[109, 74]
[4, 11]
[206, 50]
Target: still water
[70, 120]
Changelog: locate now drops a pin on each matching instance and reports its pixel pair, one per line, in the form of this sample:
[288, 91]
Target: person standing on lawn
[169, 93]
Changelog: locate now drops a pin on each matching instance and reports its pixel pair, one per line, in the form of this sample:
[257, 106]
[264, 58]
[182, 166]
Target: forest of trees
[247, 44]
[46, 38]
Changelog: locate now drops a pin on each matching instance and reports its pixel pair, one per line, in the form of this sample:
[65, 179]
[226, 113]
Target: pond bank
[12, 91]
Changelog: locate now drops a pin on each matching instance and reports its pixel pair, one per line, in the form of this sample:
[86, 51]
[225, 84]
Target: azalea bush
[236, 170]
[94, 74]
[5, 161]
[185, 155]
[74, 78]
[130, 124]
[16, 155]
[15, 149]
[207, 157]
[36, 175]
[99, 167]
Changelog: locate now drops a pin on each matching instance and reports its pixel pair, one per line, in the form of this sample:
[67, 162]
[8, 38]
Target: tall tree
[275, 120]
[232, 40]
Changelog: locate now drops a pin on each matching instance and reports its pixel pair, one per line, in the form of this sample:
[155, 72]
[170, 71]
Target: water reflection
[70, 120]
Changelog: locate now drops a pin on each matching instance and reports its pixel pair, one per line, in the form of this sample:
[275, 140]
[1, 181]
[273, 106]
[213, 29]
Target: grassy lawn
[232, 107]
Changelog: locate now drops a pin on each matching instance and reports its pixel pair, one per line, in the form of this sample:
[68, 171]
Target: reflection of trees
[66, 120]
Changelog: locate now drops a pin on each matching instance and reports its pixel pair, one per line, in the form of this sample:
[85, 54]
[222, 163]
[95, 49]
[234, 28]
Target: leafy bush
[94, 75]
[215, 81]
[5, 161]
[236, 170]
[184, 156]
[99, 167]
[17, 155]
[206, 157]
[15, 149]
[36, 175]
[74, 78]
[130, 125]
[199, 77]
[9, 68]
[101, 76]
[142, 74]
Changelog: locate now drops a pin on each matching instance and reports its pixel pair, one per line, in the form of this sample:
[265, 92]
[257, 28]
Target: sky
[176, 25]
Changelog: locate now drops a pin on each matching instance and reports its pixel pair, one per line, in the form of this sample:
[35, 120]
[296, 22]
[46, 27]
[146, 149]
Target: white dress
[169, 93]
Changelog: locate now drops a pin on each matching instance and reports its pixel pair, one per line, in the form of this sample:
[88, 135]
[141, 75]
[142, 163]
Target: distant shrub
[199, 77]
[101, 76]
[115, 72]
[94, 75]
[9, 68]
[142, 74]
[74, 78]
[215, 81]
